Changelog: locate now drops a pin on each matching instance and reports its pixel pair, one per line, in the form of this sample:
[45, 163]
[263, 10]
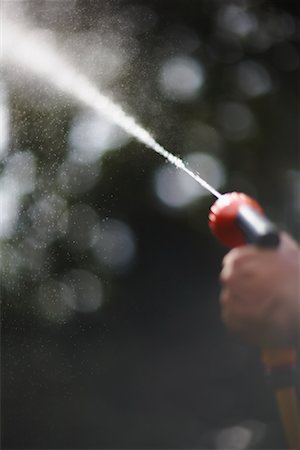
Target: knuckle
[225, 275]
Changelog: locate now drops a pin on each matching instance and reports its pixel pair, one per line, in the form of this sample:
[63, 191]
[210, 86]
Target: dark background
[153, 366]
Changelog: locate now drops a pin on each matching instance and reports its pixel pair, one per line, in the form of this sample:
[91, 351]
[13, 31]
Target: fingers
[242, 309]
[242, 318]
[236, 265]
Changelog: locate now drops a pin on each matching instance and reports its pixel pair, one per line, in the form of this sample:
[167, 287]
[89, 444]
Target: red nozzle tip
[222, 217]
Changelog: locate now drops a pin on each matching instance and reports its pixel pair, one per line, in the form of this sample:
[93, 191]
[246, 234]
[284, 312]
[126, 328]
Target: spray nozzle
[236, 219]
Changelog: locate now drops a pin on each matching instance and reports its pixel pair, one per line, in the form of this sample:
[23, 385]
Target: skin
[260, 295]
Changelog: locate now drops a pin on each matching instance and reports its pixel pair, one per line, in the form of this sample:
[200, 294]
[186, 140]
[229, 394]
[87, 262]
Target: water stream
[21, 46]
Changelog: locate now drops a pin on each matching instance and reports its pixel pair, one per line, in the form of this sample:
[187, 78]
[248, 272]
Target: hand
[260, 295]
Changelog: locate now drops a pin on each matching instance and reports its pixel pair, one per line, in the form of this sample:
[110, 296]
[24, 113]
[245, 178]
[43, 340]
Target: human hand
[260, 295]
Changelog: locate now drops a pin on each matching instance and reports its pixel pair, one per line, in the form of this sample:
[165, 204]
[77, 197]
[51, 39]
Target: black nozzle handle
[257, 228]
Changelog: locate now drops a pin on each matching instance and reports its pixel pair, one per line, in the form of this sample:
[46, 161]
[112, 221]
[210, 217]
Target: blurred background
[111, 330]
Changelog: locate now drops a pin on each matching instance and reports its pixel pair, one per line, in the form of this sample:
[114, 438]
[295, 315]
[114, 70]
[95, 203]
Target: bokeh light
[280, 25]
[21, 170]
[237, 20]
[236, 120]
[9, 203]
[4, 120]
[16, 180]
[175, 189]
[91, 136]
[181, 78]
[236, 437]
[46, 215]
[53, 297]
[253, 79]
[75, 178]
[83, 224]
[243, 436]
[114, 245]
[202, 137]
[85, 291]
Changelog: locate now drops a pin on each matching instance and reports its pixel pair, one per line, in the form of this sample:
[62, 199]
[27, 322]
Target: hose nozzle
[237, 219]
